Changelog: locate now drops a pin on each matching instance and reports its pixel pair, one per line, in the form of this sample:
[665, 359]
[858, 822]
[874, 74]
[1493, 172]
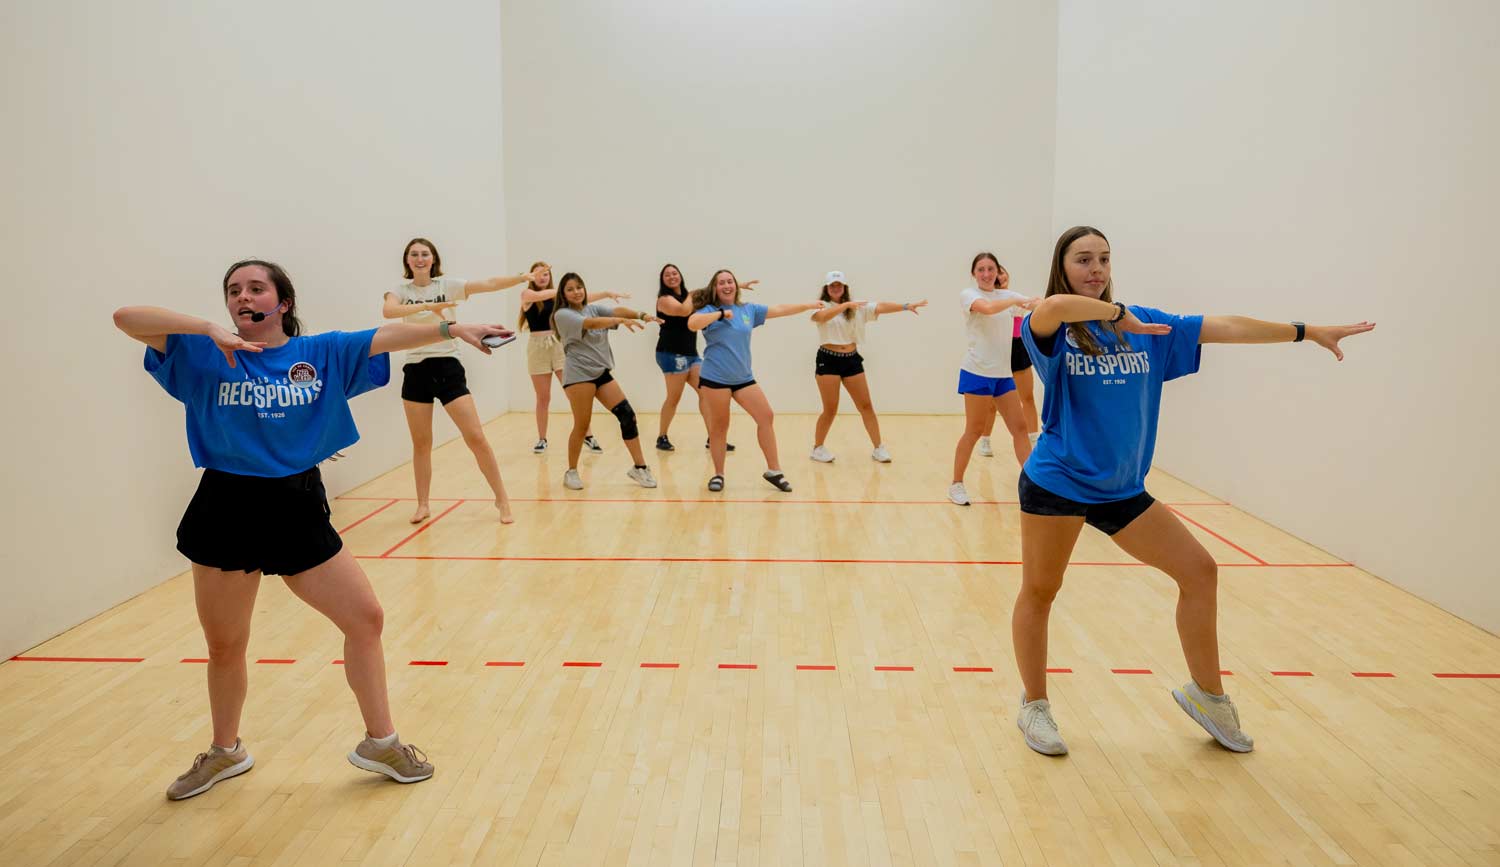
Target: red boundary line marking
[1225, 671]
[894, 668]
[816, 668]
[274, 661]
[337, 662]
[972, 668]
[1468, 676]
[1372, 674]
[194, 659]
[504, 664]
[1217, 536]
[762, 502]
[78, 659]
[659, 665]
[1292, 674]
[428, 662]
[1130, 671]
[423, 528]
[582, 664]
[739, 666]
[368, 517]
[806, 560]
[1059, 671]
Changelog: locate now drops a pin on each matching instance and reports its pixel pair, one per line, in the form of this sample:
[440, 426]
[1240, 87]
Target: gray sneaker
[1036, 723]
[1216, 714]
[403, 763]
[572, 481]
[209, 768]
[642, 476]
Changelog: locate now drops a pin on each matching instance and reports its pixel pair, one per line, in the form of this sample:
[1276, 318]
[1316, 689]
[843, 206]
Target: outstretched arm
[776, 311]
[152, 326]
[1051, 313]
[885, 307]
[394, 309]
[991, 306]
[1243, 329]
[833, 310]
[404, 335]
[495, 284]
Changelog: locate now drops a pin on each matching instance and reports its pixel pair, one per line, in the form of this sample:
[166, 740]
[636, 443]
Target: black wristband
[722, 312]
[1301, 331]
[1120, 315]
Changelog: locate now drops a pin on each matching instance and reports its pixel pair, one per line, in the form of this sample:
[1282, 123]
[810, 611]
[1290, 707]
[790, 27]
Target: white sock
[228, 749]
[387, 741]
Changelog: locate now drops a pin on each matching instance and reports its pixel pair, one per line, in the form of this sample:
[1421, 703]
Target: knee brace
[626, 415]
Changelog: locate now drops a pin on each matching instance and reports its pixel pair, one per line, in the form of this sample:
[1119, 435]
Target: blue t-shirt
[276, 413]
[1099, 413]
[726, 343]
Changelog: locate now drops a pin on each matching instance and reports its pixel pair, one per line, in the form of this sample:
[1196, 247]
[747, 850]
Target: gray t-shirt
[586, 352]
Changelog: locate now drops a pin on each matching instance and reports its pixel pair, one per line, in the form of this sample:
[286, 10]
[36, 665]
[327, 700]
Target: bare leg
[466, 417]
[1046, 544]
[859, 390]
[754, 401]
[716, 407]
[339, 590]
[1008, 405]
[979, 410]
[610, 395]
[226, 602]
[419, 422]
[828, 391]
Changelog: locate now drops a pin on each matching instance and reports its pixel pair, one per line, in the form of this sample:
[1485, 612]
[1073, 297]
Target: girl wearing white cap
[841, 328]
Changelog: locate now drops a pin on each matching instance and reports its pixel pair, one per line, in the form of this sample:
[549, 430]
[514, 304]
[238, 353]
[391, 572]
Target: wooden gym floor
[664, 677]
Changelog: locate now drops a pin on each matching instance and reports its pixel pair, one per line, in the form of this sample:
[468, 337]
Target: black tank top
[674, 336]
[539, 315]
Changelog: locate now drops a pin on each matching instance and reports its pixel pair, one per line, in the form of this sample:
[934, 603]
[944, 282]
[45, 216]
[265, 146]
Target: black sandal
[778, 480]
[716, 483]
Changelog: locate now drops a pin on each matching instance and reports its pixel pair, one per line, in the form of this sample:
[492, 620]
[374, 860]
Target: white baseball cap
[834, 277]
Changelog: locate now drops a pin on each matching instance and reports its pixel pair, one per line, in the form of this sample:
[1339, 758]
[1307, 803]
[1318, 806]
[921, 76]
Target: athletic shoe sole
[231, 771]
[365, 764]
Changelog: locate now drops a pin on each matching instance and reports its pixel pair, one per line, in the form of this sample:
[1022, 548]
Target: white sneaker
[984, 448]
[1036, 723]
[881, 455]
[572, 481]
[1216, 714]
[822, 455]
[593, 445]
[541, 446]
[642, 476]
[957, 494]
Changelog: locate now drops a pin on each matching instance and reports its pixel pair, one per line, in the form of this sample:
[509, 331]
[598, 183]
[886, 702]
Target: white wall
[147, 146]
[1330, 162]
[887, 138]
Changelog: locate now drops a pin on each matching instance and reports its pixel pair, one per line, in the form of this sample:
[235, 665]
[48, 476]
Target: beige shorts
[544, 354]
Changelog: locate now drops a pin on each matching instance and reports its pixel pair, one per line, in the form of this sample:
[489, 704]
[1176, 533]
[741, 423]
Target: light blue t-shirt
[726, 343]
[277, 412]
[1099, 413]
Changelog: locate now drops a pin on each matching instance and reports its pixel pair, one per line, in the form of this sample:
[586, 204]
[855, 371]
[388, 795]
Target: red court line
[428, 662]
[423, 528]
[368, 517]
[337, 662]
[1130, 671]
[1467, 676]
[504, 664]
[194, 659]
[1059, 671]
[1217, 536]
[582, 664]
[1292, 674]
[805, 560]
[894, 668]
[274, 661]
[1225, 671]
[777, 501]
[1372, 674]
[739, 666]
[659, 665]
[815, 668]
[78, 659]
[975, 668]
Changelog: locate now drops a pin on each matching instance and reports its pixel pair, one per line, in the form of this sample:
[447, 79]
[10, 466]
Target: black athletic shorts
[1111, 517]
[440, 377]
[1020, 359]
[291, 534]
[599, 381]
[840, 364]
[709, 383]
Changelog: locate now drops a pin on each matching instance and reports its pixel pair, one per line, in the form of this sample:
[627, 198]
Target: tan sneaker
[403, 763]
[209, 768]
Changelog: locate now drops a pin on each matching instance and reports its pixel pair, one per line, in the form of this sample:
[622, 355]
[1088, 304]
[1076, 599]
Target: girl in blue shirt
[1103, 365]
[265, 404]
[726, 322]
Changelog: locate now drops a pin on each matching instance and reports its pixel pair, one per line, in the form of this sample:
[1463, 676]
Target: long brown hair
[521, 324]
[1057, 284]
[291, 326]
[561, 301]
[437, 261]
[823, 296]
[706, 296]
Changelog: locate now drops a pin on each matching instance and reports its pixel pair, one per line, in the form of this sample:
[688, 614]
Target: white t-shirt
[989, 335]
[440, 289]
[843, 329]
